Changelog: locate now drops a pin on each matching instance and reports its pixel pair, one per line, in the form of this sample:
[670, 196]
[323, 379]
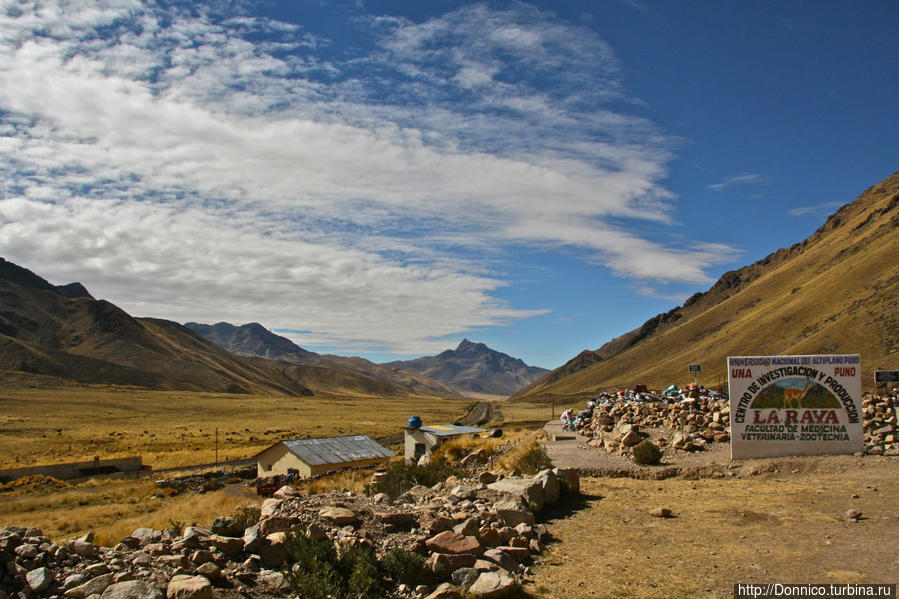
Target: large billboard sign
[795, 405]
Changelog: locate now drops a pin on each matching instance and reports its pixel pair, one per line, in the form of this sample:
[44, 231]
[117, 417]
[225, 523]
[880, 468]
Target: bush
[647, 453]
[528, 457]
[246, 515]
[407, 567]
[321, 574]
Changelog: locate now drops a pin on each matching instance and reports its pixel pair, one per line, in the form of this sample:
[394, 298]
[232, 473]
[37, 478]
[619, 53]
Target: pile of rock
[618, 427]
[879, 421]
[478, 535]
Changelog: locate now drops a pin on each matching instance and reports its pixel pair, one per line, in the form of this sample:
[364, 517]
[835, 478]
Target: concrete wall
[277, 460]
[74, 470]
[415, 436]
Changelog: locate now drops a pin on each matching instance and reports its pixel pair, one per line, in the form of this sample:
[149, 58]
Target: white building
[423, 440]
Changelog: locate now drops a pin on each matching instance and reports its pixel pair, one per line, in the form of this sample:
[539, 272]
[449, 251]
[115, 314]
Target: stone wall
[73, 470]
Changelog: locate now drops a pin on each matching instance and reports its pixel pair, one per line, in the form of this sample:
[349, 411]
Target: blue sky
[385, 178]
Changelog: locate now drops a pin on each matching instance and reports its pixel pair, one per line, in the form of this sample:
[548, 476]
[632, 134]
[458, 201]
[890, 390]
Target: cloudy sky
[386, 178]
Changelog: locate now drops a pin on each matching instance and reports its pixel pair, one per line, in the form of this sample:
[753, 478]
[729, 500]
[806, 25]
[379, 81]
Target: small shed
[423, 440]
[310, 457]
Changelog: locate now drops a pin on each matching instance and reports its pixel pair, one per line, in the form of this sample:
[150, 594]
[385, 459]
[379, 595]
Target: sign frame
[795, 405]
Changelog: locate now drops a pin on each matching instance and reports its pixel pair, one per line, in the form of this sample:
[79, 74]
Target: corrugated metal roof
[337, 450]
[447, 430]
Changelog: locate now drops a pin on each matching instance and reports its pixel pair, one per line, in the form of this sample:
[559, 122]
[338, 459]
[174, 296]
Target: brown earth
[760, 521]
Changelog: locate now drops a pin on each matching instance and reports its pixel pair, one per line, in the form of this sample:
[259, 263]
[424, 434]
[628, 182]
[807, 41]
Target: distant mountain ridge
[475, 368]
[253, 339]
[81, 339]
[835, 292]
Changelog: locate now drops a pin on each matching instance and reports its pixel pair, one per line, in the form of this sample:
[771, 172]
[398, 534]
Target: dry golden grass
[113, 509]
[43, 426]
[786, 528]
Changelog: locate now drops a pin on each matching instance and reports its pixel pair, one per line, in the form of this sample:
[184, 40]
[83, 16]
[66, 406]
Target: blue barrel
[414, 422]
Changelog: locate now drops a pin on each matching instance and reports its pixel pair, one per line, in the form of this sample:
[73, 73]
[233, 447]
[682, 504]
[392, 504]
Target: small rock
[189, 587]
[230, 546]
[275, 582]
[316, 531]
[487, 477]
[445, 591]
[94, 586]
[209, 570]
[660, 512]
[452, 542]
[270, 506]
[340, 516]
[131, 589]
[286, 492]
[853, 515]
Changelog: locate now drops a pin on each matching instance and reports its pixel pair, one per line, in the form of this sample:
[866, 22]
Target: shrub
[407, 567]
[246, 515]
[646, 452]
[528, 457]
[321, 574]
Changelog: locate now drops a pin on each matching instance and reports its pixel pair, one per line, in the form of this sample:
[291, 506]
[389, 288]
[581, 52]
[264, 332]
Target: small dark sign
[695, 367]
[886, 376]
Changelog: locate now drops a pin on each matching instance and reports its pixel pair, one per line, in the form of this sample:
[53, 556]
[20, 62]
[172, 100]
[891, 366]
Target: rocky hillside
[835, 292]
[475, 368]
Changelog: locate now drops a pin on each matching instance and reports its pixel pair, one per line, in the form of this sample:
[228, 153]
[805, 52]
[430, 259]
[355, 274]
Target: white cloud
[748, 179]
[825, 208]
[184, 169]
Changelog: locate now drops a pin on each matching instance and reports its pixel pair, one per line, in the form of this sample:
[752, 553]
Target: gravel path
[570, 450]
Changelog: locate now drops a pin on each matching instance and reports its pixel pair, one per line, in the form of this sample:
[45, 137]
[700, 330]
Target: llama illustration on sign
[796, 392]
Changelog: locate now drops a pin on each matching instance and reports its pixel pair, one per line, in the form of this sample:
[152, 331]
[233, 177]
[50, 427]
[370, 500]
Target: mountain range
[255, 340]
[835, 292]
[64, 332]
[470, 369]
[475, 368]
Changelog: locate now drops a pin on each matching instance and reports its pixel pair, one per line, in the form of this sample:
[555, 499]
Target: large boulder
[552, 488]
[528, 490]
[512, 513]
[570, 479]
[492, 585]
